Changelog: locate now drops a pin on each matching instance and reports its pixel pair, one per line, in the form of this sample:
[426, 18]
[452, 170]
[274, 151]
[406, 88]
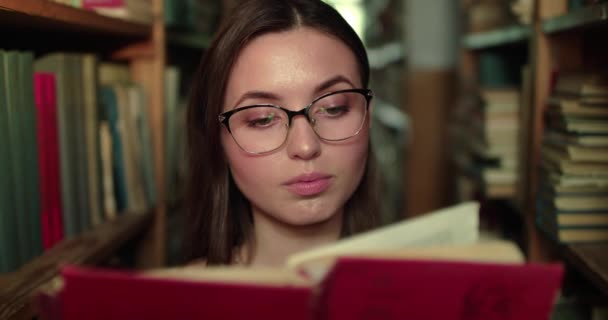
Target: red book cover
[105, 294]
[359, 288]
[41, 99]
[52, 138]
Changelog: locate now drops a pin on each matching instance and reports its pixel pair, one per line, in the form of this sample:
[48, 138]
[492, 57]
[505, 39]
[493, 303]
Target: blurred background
[504, 102]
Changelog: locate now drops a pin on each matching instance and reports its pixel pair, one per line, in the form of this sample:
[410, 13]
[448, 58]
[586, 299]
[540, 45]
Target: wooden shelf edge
[499, 37]
[43, 14]
[592, 261]
[188, 40]
[88, 248]
[579, 18]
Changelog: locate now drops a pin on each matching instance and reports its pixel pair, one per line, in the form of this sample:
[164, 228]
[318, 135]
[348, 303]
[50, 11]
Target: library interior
[489, 131]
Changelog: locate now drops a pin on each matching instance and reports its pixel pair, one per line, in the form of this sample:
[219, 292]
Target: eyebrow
[331, 82]
[258, 94]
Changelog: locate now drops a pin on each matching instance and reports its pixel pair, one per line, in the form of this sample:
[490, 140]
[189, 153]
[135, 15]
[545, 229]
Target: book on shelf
[493, 129]
[557, 162]
[20, 223]
[577, 124]
[62, 151]
[590, 87]
[404, 270]
[558, 137]
[57, 64]
[571, 226]
[574, 107]
[125, 114]
[572, 152]
[571, 203]
[48, 144]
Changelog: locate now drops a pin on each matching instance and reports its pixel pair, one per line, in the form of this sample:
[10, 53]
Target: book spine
[56, 219]
[8, 236]
[17, 157]
[26, 64]
[44, 162]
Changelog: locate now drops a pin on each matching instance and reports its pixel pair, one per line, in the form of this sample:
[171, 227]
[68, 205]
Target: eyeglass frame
[224, 117]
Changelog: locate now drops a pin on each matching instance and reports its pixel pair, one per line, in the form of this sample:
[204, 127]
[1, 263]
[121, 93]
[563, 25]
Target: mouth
[309, 184]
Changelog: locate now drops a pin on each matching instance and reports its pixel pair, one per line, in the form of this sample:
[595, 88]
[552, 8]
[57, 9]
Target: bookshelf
[591, 260]
[89, 248]
[33, 24]
[557, 41]
[40, 14]
[192, 41]
[587, 17]
[499, 37]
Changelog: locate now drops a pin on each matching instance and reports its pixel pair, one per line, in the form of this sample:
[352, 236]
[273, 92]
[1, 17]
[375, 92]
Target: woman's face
[307, 180]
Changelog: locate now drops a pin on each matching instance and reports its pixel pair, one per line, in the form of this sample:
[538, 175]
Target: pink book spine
[56, 220]
[42, 135]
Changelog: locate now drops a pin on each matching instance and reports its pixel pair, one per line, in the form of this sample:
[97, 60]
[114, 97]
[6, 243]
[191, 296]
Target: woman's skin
[291, 69]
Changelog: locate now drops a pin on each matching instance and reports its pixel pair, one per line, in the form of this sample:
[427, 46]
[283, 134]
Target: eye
[264, 121]
[334, 111]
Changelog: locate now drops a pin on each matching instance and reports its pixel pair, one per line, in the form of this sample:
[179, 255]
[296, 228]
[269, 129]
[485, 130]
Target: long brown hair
[218, 215]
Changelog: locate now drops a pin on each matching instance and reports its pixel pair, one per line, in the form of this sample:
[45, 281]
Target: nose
[302, 142]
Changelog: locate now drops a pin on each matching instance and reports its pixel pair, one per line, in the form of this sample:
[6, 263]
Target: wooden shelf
[592, 261]
[579, 18]
[188, 40]
[91, 247]
[48, 15]
[499, 37]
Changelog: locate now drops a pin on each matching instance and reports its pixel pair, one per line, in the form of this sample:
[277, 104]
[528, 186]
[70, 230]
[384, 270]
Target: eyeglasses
[263, 128]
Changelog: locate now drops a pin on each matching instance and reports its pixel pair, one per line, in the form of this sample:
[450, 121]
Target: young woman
[278, 133]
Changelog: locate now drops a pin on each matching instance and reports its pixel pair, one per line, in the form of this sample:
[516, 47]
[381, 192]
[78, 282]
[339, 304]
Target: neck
[274, 241]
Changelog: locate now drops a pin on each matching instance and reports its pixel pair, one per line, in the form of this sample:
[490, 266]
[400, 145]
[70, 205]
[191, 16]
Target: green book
[9, 259]
[80, 156]
[92, 146]
[30, 147]
[56, 63]
[17, 155]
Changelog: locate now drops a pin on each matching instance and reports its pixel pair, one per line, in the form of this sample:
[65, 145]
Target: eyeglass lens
[334, 117]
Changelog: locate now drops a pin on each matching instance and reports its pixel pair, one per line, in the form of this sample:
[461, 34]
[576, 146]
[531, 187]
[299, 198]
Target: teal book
[30, 148]
[9, 242]
[56, 63]
[80, 171]
[17, 155]
[498, 70]
[147, 156]
[109, 104]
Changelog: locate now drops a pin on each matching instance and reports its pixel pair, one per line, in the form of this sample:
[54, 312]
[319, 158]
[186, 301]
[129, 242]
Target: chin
[303, 218]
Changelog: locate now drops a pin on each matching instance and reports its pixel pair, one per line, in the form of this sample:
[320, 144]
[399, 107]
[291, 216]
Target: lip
[309, 184]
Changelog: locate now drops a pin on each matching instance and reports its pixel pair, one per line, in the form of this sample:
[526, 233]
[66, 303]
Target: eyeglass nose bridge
[304, 111]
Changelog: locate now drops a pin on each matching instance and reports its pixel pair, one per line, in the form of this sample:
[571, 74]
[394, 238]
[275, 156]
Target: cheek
[249, 172]
[349, 160]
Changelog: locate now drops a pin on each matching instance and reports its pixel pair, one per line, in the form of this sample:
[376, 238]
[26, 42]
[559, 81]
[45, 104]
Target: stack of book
[488, 131]
[573, 190]
[495, 141]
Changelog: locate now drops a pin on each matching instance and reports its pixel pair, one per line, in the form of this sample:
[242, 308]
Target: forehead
[291, 62]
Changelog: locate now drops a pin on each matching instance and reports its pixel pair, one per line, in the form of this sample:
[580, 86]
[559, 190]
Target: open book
[431, 267]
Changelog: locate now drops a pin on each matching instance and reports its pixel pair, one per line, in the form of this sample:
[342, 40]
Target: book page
[456, 225]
